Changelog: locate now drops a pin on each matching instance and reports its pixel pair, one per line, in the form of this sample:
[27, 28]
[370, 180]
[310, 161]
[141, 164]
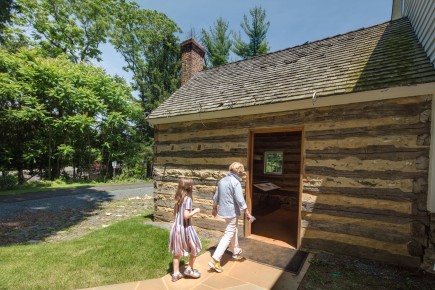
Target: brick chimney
[192, 59]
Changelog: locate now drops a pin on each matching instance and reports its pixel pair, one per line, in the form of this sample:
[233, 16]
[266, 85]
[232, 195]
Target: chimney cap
[193, 42]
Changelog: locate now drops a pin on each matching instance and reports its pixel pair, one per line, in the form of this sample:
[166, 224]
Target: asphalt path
[75, 198]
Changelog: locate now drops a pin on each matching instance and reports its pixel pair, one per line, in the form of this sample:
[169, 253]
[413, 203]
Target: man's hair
[237, 167]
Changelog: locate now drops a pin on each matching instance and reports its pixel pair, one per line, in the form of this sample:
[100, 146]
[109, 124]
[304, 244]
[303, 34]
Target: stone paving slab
[237, 275]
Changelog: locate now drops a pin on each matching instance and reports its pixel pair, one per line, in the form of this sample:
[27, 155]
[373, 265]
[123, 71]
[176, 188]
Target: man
[228, 203]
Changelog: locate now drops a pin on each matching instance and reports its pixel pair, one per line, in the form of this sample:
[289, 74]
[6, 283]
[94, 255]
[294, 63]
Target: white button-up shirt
[229, 197]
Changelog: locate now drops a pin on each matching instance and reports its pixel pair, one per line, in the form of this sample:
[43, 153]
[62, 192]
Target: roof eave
[333, 100]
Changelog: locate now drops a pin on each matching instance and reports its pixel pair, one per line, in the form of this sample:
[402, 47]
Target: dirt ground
[68, 224]
[329, 271]
[326, 271]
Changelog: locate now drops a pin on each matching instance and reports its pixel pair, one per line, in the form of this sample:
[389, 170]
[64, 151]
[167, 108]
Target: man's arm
[238, 193]
[215, 202]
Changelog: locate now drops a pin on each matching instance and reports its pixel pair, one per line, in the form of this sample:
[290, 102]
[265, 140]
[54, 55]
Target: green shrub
[58, 181]
[8, 182]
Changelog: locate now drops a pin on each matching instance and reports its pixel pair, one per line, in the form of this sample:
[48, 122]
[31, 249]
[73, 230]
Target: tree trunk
[149, 172]
[49, 156]
[20, 175]
[107, 168]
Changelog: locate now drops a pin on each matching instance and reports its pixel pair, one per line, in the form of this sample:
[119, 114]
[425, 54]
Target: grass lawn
[124, 252]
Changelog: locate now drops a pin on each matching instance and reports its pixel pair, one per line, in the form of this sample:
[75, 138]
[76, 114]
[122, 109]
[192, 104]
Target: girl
[183, 239]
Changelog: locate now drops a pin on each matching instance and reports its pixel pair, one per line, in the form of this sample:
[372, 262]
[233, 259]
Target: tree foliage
[146, 39]
[217, 43]
[54, 113]
[72, 27]
[256, 29]
[67, 112]
[11, 37]
[7, 9]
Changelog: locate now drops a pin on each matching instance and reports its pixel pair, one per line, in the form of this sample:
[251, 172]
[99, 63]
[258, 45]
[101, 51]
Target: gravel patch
[38, 225]
[30, 226]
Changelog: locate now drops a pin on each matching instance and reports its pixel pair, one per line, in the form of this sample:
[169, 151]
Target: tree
[62, 114]
[72, 27]
[146, 39]
[7, 9]
[256, 30]
[11, 38]
[217, 43]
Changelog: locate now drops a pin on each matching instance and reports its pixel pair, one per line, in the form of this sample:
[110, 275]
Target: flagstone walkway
[237, 275]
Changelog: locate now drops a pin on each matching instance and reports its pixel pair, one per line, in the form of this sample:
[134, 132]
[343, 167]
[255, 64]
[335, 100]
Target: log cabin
[336, 135]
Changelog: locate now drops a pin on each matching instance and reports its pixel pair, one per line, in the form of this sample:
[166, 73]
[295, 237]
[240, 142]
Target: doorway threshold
[270, 241]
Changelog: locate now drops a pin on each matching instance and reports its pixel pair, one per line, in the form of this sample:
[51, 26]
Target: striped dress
[183, 239]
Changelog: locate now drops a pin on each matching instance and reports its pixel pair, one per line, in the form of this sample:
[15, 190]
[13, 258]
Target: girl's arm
[190, 213]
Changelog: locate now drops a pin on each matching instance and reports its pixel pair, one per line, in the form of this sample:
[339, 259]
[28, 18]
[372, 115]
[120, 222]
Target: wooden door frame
[250, 165]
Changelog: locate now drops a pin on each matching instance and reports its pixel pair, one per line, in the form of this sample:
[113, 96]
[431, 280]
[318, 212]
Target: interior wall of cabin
[277, 210]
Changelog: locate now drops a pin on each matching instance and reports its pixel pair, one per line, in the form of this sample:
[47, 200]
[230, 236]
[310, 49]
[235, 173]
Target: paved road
[62, 199]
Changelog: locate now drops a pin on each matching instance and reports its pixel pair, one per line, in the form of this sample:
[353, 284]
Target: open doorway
[275, 185]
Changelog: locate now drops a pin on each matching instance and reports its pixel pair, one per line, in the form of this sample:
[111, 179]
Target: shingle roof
[385, 55]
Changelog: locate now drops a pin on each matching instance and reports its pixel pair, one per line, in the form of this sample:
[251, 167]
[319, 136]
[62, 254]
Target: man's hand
[249, 216]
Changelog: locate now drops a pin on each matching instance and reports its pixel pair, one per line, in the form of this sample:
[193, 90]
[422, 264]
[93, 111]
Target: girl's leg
[191, 261]
[190, 271]
[176, 264]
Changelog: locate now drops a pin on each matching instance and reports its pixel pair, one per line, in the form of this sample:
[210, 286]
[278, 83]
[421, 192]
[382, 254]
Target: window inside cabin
[273, 162]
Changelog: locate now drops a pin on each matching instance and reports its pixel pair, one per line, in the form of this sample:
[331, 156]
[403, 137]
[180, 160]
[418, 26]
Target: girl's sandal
[176, 277]
[192, 273]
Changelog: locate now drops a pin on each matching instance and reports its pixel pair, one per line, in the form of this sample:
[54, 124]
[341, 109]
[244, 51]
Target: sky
[292, 22]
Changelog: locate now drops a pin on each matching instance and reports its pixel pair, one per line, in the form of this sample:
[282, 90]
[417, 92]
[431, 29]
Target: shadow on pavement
[31, 218]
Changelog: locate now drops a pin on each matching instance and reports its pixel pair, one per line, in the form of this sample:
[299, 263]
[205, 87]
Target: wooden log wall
[365, 173]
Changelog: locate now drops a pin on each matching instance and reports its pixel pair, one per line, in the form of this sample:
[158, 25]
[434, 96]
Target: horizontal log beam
[357, 241]
[354, 163]
[215, 153]
[369, 173]
[200, 161]
[242, 138]
[191, 135]
[196, 181]
[201, 146]
[375, 152]
[397, 142]
[395, 194]
[365, 131]
[317, 180]
[344, 203]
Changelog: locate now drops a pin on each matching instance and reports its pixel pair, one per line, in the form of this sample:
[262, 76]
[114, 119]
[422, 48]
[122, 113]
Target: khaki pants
[230, 238]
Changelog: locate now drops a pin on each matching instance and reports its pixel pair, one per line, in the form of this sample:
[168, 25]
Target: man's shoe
[238, 256]
[215, 265]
